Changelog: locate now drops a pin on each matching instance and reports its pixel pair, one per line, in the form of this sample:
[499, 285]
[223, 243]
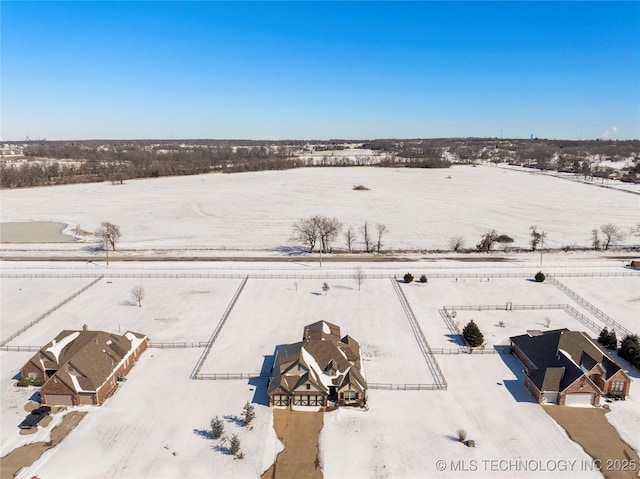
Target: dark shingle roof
[561, 356]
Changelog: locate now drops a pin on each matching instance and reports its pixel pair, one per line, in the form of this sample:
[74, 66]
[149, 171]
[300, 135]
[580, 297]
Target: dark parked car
[35, 417]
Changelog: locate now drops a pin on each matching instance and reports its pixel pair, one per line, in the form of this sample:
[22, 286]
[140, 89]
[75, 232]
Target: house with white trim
[83, 367]
[322, 367]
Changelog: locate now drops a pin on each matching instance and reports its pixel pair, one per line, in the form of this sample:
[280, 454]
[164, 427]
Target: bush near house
[608, 338]
[630, 349]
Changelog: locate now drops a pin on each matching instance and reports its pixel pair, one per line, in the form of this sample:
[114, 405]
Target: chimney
[85, 327]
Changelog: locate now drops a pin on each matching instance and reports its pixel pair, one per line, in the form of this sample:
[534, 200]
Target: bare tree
[108, 234]
[595, 239]
[537, 238]
[358, 275]
[350, 238]
[305, 230]
[328, 229]
[325, 288]
[381, 230]
[490, 238]
[456, 243]
[366, 237]
[612, 234]
[310, 230]
[137, 294]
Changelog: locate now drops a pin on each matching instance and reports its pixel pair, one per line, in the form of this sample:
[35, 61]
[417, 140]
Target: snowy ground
[422, 208]
[159, 411]
[272, 312]
[403, 434]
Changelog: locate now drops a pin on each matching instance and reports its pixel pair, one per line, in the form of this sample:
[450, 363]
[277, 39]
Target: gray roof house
[568, 368]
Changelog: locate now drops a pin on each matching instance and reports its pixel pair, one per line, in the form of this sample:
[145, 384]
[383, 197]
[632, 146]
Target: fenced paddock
[178, 311]
[270, 313]
[24, 300]
[617, 298]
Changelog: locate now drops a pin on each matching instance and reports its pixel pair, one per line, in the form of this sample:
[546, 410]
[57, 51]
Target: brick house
[321, 367]
[83, 367]
[568, 368]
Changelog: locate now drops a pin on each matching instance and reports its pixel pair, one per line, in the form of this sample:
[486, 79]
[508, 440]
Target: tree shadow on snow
[316, 294]
[456, 339]
[203, 433]
[223, 449]
[128, 303]
[292, 250]
[93, 248]
[234, 419]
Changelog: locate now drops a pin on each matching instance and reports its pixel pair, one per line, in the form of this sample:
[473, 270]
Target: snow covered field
[159, 411]
[422, 208]
[273, 312]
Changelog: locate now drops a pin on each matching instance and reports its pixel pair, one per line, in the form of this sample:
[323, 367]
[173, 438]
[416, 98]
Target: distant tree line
[62, 162]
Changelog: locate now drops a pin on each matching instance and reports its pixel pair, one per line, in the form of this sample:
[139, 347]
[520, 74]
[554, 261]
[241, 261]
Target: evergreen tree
[217, 427]
[408, 278]
[472, 334]
[612, 341]
[248, 414]
[235, 445]
[630, 349]
[604, 336]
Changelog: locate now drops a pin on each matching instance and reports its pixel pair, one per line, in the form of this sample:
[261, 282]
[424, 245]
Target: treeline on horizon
[66, 162]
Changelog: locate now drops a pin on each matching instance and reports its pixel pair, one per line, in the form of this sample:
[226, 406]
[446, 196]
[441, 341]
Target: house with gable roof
[323, 366]
[567, 368]
[83, 367]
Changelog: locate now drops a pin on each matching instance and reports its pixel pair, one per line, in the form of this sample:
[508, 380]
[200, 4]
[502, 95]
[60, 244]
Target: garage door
[59, 399]
[86, 398]
[550, 398]
[579, 399]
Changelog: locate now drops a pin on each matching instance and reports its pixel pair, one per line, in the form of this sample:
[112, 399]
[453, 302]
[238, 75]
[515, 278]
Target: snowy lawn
[404, 434]
[427, 299]
[155, 427]
[618, 297]
[173, 310]
[273, 312]
[22, 300]
[422, 208]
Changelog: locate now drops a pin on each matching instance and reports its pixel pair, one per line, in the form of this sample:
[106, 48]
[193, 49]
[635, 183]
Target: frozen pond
[34, 232]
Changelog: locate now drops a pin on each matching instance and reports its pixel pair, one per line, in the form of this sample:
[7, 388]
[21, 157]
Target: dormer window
[308, 386]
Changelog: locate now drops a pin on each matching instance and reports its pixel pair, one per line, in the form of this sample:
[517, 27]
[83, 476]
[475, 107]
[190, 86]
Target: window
[308, 386]
[617, 387]
[350, 396]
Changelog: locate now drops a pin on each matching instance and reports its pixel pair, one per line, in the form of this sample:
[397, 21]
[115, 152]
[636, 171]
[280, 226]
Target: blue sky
[319, 70]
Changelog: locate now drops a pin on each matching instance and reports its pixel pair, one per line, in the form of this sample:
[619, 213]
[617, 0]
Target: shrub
[24, 382]
[217, 427]
[608, 338]
[630, 349]
[462, 435]
[472, 334]
[37, 382]
[423, 278]
[234, 447]
[248, 413]
[360, 188]
[539, 277]
[408, 278]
